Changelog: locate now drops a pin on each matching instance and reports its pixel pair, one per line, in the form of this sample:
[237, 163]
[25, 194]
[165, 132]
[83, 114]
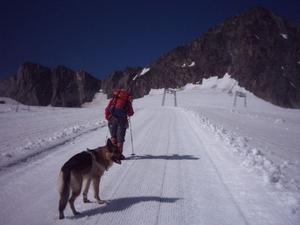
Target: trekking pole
[131, 136]
[106, 134]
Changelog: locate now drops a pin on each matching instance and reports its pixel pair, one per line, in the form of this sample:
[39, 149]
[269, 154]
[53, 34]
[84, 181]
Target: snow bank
[225, 84]
[9, 105]
[8, 100]
[257, 161]
[33, 148]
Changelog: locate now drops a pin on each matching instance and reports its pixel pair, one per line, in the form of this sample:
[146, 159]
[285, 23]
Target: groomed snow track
[180, 175]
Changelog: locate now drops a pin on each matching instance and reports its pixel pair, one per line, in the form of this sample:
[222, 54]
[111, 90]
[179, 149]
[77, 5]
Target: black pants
[117, 127]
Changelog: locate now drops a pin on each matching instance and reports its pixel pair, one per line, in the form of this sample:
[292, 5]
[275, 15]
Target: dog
[88, 165]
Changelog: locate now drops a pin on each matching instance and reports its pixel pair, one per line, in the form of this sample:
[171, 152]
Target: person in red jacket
[116, 112]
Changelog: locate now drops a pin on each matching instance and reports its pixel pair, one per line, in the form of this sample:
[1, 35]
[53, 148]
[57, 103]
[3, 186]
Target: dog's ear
[108, 143]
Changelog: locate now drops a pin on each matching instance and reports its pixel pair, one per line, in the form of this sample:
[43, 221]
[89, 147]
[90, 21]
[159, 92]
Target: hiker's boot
[120, 145]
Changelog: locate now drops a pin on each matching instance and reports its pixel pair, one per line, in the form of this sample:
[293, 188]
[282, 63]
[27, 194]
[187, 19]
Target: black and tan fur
[79, 168]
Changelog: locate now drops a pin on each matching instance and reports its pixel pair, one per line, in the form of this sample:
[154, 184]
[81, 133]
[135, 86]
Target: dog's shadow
[120, 204]
[165, 157]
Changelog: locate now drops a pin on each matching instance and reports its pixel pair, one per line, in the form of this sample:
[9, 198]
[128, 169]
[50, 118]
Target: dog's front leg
[96, 184]
[85, 191]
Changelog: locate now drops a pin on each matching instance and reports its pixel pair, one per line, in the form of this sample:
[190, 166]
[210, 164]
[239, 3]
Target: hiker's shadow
[166, 157]
[120, 204]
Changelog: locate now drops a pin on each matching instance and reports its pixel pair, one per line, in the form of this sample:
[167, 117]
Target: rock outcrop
[71, 88]
[121, 79]
[37, 85]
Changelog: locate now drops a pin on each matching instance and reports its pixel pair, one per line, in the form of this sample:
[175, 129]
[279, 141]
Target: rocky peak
[258, 48]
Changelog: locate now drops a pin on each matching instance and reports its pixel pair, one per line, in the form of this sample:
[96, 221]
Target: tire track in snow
[152, 160]
[125, 196]
[240, 217]
[172, 187]
[164, 166]
[199, 184]
[147, 184]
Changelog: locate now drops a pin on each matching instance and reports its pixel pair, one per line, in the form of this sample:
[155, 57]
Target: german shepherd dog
[88, 165]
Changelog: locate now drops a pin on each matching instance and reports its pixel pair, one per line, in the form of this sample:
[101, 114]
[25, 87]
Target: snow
[145, 70]
[292, 84]
[285, 36]
[203, 162]
[192, 64]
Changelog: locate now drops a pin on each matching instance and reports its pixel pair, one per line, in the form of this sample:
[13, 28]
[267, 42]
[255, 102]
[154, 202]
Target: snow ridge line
[45, 145]
[252, 158]
[59, 135]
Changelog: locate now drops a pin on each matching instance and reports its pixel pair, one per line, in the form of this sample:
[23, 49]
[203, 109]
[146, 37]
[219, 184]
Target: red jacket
[111, 103]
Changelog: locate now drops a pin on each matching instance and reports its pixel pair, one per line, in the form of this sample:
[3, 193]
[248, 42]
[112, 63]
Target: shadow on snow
[120, 204]
[166, 157]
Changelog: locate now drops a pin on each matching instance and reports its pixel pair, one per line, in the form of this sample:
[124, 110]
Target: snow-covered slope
[203, 162]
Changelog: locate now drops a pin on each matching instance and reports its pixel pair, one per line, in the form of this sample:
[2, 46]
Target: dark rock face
[259, 49]
[38, 85]
[71, 88]
[121, 79]
[267, 59]
[31, 85]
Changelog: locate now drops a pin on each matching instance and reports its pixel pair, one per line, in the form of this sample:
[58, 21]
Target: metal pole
[234, 103]
[131, 135]
[163, 101]
[106, 133]
[175, 100]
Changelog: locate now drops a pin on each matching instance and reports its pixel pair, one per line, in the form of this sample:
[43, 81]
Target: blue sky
[102, 36]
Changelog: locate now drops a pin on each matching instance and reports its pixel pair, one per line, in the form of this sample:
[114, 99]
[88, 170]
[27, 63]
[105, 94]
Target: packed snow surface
[202, 162]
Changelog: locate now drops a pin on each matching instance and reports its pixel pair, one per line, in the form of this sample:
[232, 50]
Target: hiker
[116, 112]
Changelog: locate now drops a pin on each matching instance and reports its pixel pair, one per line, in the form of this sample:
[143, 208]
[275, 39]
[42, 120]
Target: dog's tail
[64, 190]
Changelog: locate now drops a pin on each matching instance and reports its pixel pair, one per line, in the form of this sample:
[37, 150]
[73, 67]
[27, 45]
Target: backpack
[121, 100]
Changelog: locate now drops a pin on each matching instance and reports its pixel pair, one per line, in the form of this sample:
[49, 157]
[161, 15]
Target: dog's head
[117, 156]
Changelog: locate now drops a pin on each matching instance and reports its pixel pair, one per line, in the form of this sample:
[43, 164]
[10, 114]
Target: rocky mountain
[35, 84]
[258, 48]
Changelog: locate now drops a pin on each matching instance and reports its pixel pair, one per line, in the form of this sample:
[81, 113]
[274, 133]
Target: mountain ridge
[258, 48]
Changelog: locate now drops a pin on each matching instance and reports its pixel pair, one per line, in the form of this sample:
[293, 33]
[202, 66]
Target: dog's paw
[77, 213]
[101, 202]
